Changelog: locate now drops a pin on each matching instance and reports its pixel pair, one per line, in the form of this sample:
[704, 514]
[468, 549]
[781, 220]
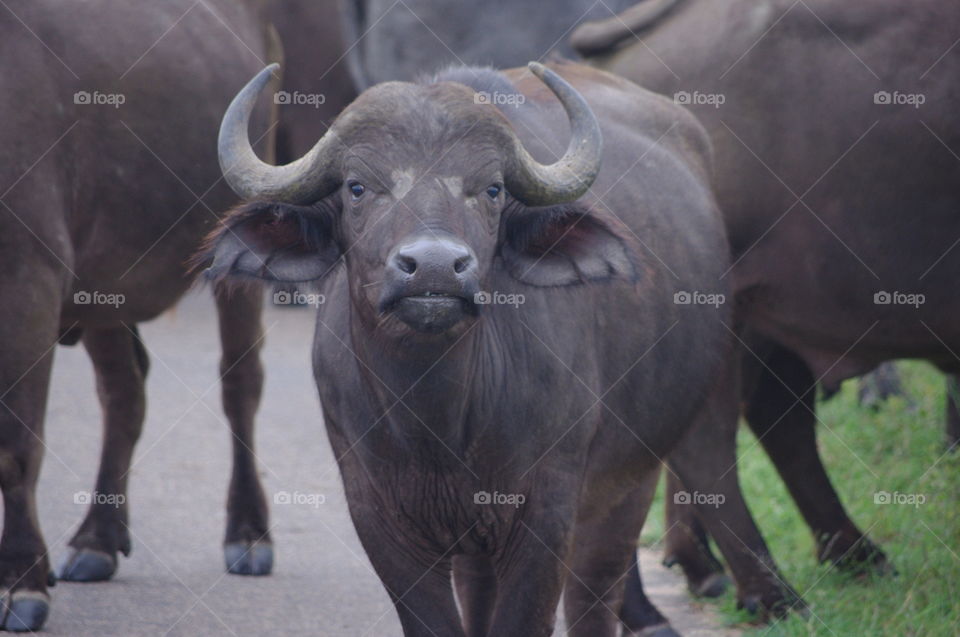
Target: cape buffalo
[507, 347]
[388, 40]
[836, 135]
[109, 182]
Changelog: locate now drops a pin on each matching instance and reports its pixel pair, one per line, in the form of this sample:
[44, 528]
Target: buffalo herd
[564, 248]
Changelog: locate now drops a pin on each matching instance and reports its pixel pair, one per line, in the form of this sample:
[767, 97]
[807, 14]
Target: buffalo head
[417, 189]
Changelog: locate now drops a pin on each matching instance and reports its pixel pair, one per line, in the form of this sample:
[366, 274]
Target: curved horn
[600, 36]
[300, 181]
[568, 178]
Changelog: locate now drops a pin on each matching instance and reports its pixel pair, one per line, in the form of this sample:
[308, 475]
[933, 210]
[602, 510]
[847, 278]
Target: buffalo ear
[565, 245]
[273, 242]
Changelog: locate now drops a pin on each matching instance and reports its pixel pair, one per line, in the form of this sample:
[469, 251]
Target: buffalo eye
[493, 191]
[356, 189]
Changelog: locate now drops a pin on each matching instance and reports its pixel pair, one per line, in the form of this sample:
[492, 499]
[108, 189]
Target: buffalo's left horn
[571, 176]
[306, 179]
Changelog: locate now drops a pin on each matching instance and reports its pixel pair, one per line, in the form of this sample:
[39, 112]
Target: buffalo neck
[424, 385]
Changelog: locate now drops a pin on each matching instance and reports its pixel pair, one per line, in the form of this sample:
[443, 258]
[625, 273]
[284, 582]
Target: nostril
[461, 264]
[406, 264]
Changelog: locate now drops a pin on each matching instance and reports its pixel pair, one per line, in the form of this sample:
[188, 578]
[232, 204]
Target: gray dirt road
[174, 581]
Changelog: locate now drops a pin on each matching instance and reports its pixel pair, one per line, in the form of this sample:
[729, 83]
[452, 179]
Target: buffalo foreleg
[27, 339]
[248, 549]
[476, 584]
[416, 577]
[604, 589]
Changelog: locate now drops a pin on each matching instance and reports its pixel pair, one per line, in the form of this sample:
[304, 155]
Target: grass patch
[896, 449]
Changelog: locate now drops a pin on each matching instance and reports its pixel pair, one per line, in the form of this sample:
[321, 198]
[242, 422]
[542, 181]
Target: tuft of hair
[482, 79]
[295, 227]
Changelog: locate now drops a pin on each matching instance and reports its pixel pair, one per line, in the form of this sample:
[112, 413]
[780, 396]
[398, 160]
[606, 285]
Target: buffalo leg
[953, 411]
[531, 578]
[27, 338]
[120, 362]
[417, 581]
[604, 589]
[780, 413]
[686, 543]
[705, 461]
[639, 616]
[247, 547]
[423, 598]
[476, 584]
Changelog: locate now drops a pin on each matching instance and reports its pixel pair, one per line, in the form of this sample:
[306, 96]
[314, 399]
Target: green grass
[903, 446]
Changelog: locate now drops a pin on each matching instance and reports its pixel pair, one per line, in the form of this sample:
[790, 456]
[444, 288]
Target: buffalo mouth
[432, 312]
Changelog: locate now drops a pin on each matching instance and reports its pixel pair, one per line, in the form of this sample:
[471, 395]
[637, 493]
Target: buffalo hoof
[660, 630]
[882, 568]
[714, 585]
[244, 558]
[863, 559]
[751, 604]
[25, 611]
[86, 565]
[776, 605]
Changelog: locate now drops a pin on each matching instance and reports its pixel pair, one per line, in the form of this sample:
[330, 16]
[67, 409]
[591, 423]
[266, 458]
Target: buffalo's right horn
[571, 176]
[306, 179]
